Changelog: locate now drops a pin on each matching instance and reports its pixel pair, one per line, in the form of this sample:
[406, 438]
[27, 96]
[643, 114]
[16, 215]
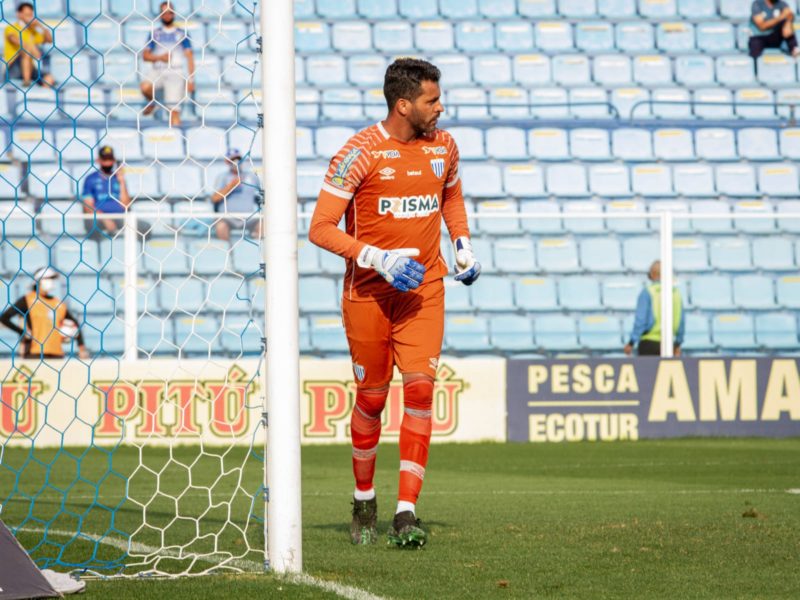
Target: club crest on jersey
[387, 174]
[341, 171]
[386, 154]
[437, 164]
[359, 371]
[435, 150]
[409, 207]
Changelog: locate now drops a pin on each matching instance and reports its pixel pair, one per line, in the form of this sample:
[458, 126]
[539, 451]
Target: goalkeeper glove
[395, 266]
[467, 268]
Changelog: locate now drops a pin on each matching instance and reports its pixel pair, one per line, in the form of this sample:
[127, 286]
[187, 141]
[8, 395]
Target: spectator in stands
[105, 192]
[23, 47]
[169, 51]
[772, 25]
[236, 192]
[48, 322]
[647, 324]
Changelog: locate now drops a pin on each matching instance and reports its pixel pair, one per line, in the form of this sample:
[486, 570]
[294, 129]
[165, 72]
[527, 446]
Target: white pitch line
[345, 591]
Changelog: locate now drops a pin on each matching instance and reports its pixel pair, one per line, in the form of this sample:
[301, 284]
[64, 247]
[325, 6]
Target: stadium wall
[476, 399]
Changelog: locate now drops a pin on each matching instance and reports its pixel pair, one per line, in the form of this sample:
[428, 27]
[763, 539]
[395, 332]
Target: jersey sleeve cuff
[339, 193]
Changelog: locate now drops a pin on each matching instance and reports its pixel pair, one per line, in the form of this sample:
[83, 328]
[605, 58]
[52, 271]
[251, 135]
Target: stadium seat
[514, 255]
[512, 103]
[778, 179]
[567, 180]
[758, 143]
[536, 294]
[334, 9]
[616, 9]
[787, 97]
[553, 36]
[474, 36]
[558, 255]
[712, 292]
[549, 225]
[366, 70]
[499, 225]
[776, 330]
[457, 9]
[735, 70]
[456, 70]
[788, 290]
[791, 224]
[675, 37]
[556, 332]
[753, 292]
[611, 70]
[790, 143]
[651, 180]
[571, 70]
[326, 70]
[752, 207]
[733, 331]
[329, 140]
[631, 102]
[589, 144]
[505, 143]
[748, 101]
[456, 296]
[475, 99]
[392, 36]
[577, 8]
[730, 254]
[523, 180]
[378, 9]
[155, 336]
[673, 144]
[342, 104]
[716, 37]
[496, 294]
[634, 37]
[773, 254]
[601, 255]
[470, 142]
[658, 9]
[309, 179]
[434, 36]
[695, 180]
[639, 253]
[181, 181]
[307, 104]
[620, 293]
[531, 69]
[713, 103]
[776, 70]
[723, 224]
[698, 333]
[696, 9]
[351, 36]
[304, 140]
[632, 144]
[548, 144]
[481, 181]
[579, 293]
[318, 294]
[609, 180]
[689, 254]
[589, 103]
[327, 334]
[590, 225]
[549, 96]
[680, 225]
[652, 70]
[594, 37]
[599, 332]
[671, 103]
[307, 258]
[142, 181]
[511, 332]
[736, 180]
[715, 144]
[694, 71]
[625, 207]
[465, 332]
[497, 9]
[206, 142]
[537, 8]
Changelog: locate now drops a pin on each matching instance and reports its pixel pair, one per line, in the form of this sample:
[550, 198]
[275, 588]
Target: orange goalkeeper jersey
[393, 194]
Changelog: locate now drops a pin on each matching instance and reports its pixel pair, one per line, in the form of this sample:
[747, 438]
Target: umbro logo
[387, 173]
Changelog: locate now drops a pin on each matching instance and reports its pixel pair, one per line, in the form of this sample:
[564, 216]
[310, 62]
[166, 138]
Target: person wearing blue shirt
[771, 26]
[647, 324]
[235, 191]
[105, 193]
[169, 52]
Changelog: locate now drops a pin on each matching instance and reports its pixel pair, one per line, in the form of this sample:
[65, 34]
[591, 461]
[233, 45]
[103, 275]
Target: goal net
[132, 395]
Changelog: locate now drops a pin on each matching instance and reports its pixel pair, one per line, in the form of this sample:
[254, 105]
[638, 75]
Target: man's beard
[107, 169]
[421, 127]
[168, 22]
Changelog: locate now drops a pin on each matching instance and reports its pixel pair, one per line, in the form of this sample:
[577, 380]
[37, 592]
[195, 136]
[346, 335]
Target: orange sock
[415, 438]
[365, 431]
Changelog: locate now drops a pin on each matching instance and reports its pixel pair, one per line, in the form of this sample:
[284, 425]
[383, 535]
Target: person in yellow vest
[23, 47]
[647, 324]
[48, 322]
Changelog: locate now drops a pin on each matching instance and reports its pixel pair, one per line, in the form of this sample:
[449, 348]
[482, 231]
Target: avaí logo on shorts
[359, 371]
[409, 207]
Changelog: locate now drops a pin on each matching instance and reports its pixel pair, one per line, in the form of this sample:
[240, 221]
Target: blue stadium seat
[202, 142]
[716, 37]
[553, 36]
[754, 292]
[246, 257]
[698, 333]
[745, 207]
[758, 143]
[77, 145]
[712, 292]
[621, 293]
[776, 330]
[483, 248]
[632, 144]
[456, 70]
[226, 36]
[456, 296]
[748, 101]
[327, 334]
[696, 9]
[601, 255]
[309, 178]
[651, 180]
[721, 225]
[694, 180]
[500, 208]
[776, 70]
[589, 103]
[536, 294]
[689, 254]
[511, 103]
[616, 9]
[434, 36]
[32, 145]
[482, 181]
[511, 332]
[672, 103]
[329, 140]
[326, 70]
[351, 36]
[491, 69]
[599, 332]
[652, 70]
[611, 70]
[735, 70]
[474, 36]
[307, 104]
[228, 295]
[694, 70]
[788, 289]
[304, 9]
[312, 36]
[730, 254]
[567, 180]
[773, 254]
[142, 180]
[342, 104]
[733, 331]
[103, 34]
[590, 144]
[496, 9]
[675, 37]
[514, 255]
[624, 207]
[506, 143]
[469, 141]
[307, 258]
[778, 179]
[583, 225]
[556, 332]
[514, 36]
[790, 143]
[549, 96]
[631, 102]
[182, 295]
[715, 144]
[658, 9]
[416, 9]
[181, 181]
[791, 224]
[787, 97]
[464, 332]
[241, 336]
[392, 36]
[378, 9]
[713, 103]
[537, 8]
[523, 180]
[304, 140]
[736, 180]
[673, 144]
[579, 293]
[634, 36]
[548, 144]
[496, 294]
[155, 335]
[541, 225]
[318, 294]
[475, 99]
[457, 9]
[679, 225]
[531, 69]
[594, 36]
[557, 255]
[577, 8]
[334, 9]
[164, 256]
[571, 69]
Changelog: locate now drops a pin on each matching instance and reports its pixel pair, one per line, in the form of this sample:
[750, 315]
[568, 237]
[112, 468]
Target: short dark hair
[404, 79]
[22, 5]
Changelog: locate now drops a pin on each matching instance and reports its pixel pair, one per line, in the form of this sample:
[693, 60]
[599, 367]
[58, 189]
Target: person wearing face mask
[169, 52]
[48, 322]
[105, 192]
[236, 192]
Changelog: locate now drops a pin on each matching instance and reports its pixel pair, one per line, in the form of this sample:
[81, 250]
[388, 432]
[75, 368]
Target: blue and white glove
[467, 268]
[395, 266]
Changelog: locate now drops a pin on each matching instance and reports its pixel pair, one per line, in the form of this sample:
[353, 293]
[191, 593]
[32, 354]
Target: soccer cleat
[363, 527]
[406, 531]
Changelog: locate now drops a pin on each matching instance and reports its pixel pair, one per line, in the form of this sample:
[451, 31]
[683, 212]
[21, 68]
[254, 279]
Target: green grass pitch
[650, 519]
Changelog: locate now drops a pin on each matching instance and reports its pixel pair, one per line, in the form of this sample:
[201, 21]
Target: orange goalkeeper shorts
[404, 329]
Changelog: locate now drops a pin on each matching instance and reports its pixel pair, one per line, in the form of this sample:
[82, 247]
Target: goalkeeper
[394, 182]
